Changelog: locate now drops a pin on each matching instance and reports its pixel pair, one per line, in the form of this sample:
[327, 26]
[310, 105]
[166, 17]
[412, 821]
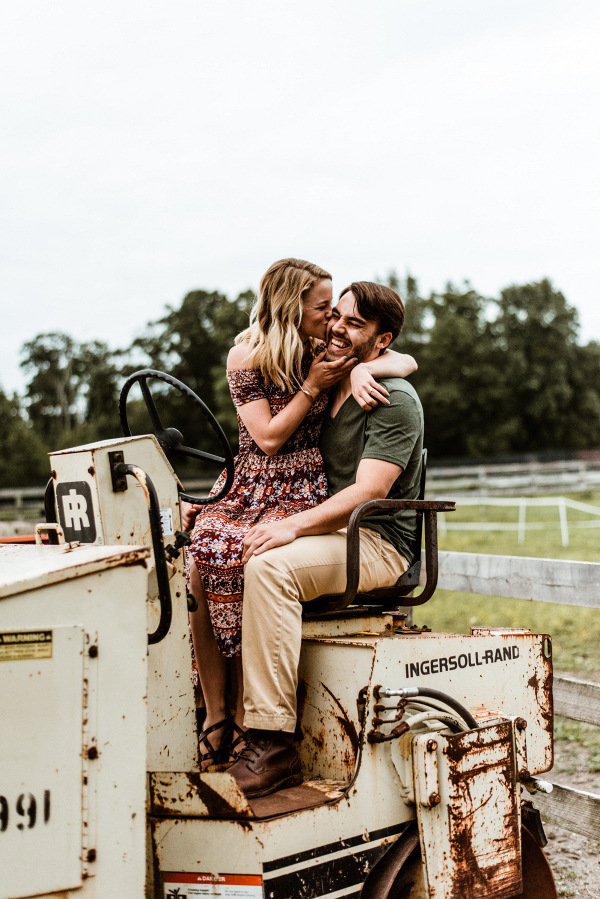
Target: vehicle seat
[332, 604]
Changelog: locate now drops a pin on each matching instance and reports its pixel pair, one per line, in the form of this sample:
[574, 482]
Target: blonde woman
[279, 382]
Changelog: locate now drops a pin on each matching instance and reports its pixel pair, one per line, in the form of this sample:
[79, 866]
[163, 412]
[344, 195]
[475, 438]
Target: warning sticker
[166, 520]
[224, 886]
[18, 645]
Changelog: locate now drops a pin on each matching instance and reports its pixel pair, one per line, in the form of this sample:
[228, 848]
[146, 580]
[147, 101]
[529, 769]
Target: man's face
[348, 334]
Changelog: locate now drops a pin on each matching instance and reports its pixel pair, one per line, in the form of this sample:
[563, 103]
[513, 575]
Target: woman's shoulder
[237, 360]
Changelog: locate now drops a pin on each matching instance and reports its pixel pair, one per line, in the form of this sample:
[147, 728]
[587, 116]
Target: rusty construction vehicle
[421, 751]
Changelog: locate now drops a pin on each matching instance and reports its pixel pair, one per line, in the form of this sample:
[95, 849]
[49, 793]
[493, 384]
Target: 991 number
[26, 808]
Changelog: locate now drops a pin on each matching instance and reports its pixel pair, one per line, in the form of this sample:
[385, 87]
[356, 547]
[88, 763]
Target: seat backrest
[419, 532]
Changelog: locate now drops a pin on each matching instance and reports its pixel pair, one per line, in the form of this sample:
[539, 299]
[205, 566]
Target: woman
[279, 382]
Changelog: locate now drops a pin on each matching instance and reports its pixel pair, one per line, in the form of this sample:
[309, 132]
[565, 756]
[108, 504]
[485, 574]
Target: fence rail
[542, 580]
[510, 480]
[19, 498]
[463, 480]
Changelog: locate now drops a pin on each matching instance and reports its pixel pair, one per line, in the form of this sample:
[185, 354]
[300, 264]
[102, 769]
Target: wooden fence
[542, 580]
[529, 478]
[514, 480]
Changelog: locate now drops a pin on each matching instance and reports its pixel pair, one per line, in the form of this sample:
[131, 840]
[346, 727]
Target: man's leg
[275, 584]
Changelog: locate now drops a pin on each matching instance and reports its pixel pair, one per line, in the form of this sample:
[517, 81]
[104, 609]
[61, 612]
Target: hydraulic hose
[160, 559]
[411, 692]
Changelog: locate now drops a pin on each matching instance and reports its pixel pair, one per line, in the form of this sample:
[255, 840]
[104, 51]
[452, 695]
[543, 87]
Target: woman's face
[316, 311]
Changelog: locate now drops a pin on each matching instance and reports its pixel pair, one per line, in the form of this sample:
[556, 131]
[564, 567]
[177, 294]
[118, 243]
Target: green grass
[36, 514]
[575, 631]
[578, 735]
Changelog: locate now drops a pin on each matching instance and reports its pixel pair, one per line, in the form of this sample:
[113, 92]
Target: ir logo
[76, 511]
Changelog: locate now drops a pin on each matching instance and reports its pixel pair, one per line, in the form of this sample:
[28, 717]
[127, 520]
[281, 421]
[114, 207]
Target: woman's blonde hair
[274, 344]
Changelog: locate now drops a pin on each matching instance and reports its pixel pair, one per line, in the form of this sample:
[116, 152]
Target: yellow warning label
[18, 645]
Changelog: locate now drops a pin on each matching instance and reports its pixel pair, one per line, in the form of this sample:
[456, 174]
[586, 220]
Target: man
[368, 455]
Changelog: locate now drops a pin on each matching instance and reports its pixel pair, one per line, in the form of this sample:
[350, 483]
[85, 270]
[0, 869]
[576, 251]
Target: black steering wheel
[170, 439]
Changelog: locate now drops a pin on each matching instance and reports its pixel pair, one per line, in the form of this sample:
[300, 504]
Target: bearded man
[368, 454]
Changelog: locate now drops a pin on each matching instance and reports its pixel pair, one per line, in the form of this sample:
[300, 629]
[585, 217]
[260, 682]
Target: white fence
[494, 480]
[504, 480]
[542, 580]
[521, 503]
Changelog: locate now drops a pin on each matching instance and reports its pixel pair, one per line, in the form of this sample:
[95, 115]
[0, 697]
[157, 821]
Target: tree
[551, 380]
[23, 458]
[502, 376]
[191, 343]
[72, 394]
[52, 390]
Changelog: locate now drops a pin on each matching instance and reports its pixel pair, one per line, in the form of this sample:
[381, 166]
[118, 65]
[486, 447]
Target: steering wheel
[170, 439]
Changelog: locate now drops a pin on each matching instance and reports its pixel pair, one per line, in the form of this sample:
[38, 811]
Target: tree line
[496, 376]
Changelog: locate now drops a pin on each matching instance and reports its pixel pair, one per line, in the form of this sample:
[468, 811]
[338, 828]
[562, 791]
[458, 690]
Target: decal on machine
[224, 886]
[16, 646]
[166, 521]
[464, 660]
[76, 511]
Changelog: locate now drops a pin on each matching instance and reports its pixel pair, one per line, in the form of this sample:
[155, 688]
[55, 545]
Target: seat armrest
[428, 508]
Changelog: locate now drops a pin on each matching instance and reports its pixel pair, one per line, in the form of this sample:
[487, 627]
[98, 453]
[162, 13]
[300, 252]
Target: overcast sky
[151, 148]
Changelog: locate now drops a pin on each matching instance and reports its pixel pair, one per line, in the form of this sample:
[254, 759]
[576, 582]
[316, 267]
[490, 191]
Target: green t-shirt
[392, 433]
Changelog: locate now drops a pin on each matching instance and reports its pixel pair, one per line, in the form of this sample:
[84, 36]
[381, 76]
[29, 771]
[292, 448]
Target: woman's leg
[239, 702]
[212, 665]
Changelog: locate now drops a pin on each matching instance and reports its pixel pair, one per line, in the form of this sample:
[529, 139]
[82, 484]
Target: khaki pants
[275, 585]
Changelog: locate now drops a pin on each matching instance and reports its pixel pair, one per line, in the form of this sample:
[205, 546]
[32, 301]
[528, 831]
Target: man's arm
[374, 479]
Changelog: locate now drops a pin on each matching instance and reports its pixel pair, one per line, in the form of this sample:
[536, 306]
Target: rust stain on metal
[190, 795]
[217, 805]
[126, 559]
[543, 686]
[315, 730]
[473, 756]
[346, 723]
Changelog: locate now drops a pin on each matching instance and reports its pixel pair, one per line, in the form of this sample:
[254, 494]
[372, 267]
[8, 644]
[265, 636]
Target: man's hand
[188, 515]
[265, 536]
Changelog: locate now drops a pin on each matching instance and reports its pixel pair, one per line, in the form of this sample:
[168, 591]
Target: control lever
[173, 550]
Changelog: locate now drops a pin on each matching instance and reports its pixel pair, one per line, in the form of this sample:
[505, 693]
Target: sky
[148, 149]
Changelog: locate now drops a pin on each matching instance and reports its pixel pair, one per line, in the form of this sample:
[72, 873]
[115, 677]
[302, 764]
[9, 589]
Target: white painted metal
[200, 824]
[74, 723]
[41, 709]
[468, 811]
[334, 747]
[122, 519]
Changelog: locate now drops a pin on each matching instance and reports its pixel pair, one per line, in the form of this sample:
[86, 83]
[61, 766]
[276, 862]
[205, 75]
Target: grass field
[575, 631]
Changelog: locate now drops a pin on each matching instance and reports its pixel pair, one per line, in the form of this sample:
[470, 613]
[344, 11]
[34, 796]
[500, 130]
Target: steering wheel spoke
[199, 454]
[149, 400]
[170, 438]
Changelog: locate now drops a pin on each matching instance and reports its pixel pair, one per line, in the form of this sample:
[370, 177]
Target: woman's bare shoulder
[238, 356]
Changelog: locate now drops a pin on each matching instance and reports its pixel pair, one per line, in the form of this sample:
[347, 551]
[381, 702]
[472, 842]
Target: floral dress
[265, 488]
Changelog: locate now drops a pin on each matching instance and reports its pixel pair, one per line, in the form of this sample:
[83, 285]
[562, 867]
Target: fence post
[522, 513]
[564, 527]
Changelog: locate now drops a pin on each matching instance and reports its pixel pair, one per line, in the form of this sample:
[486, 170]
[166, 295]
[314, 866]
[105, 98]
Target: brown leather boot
[268, 762]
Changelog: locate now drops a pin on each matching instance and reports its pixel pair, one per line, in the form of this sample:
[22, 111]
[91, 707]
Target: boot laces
[252, 749]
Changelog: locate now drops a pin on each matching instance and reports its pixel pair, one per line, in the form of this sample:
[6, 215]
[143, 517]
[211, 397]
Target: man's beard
[361, 351]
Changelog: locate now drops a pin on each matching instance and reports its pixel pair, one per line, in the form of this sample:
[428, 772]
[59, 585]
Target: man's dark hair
[378, 303]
